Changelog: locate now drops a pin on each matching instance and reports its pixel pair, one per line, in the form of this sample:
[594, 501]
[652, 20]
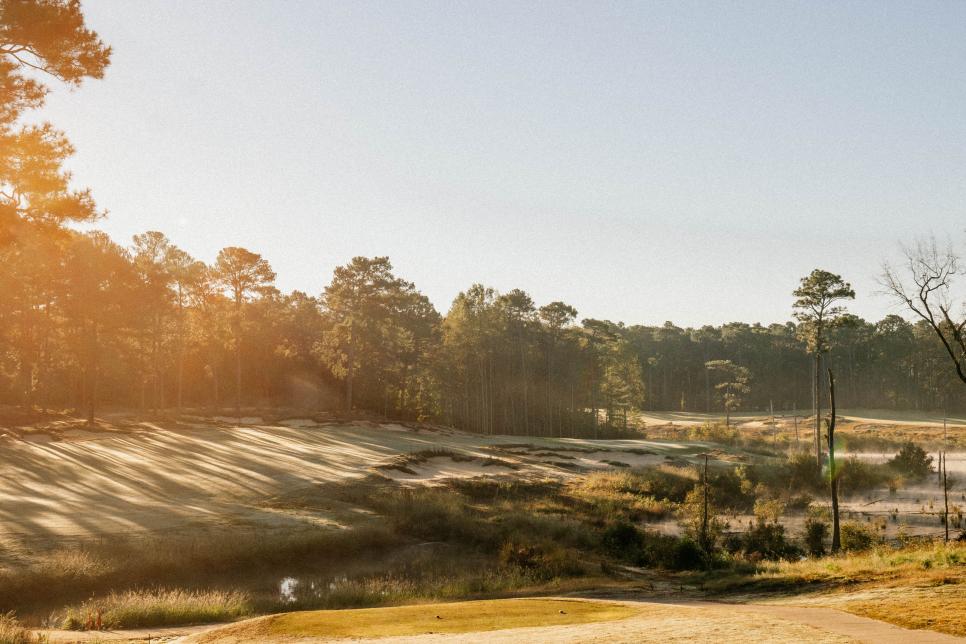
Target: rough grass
[377, 563]
[450, 619]
[12, 632]
[68, 575]
[928, 564]
[158, 607]
[633, 494]
[924, 565]
[939, 608]
[472, 538]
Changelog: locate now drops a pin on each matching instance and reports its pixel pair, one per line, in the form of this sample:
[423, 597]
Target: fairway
[449, 618]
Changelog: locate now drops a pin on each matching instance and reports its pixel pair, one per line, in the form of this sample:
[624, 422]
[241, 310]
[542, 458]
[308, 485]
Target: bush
[541, 561]
[714, 433]
[436, 516]
[691, 516]
[814, 536]
[804, 473]
[731, 490]
[688, 555]
[912, 461]
[622, 540]
[859, 476]
[857, 537]
[767, 541]
[632, 495]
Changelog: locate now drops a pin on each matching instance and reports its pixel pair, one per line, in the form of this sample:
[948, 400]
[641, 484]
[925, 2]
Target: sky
[643, 161]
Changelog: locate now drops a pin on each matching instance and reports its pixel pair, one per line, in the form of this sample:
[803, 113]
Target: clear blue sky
[644, 161]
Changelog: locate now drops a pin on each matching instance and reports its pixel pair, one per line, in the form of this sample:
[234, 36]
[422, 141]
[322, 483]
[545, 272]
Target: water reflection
[293, 589]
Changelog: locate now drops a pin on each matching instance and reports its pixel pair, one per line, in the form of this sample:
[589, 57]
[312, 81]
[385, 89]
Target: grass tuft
[12, 632]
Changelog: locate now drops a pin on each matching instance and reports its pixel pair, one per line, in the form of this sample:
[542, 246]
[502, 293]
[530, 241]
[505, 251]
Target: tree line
[85, 321]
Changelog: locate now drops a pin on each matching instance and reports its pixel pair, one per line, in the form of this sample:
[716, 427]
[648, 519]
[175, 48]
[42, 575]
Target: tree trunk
[526, 402]
[238, 376]
[707, 383]
[704, 512]
[833, 475]
[550, 388]
[818, 407]
[180, 350]
[942, 461]
[238, 358]
[350, 371]
[92, 375]
[215, 386]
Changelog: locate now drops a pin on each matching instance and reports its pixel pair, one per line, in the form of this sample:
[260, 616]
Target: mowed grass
[449, 618]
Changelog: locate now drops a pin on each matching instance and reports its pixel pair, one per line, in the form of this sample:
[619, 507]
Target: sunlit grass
[915, 565]
[157, 607]
[450, 618]
[12, 632]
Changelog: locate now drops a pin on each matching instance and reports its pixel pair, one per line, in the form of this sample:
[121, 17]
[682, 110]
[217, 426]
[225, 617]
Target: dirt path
[659, 621]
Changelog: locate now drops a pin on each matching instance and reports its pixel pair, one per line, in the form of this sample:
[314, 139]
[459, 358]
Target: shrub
[714, 433]
[912, 461]
[769, 510]
[541, 561]
[857, 537]
[804, 473]
[435, 516]
[488, 489]
[767, 541]
[859, 476]
[731, 489]
[632, 494]
[688, 555]
[691, 516]
[623, 540]
[814, 536]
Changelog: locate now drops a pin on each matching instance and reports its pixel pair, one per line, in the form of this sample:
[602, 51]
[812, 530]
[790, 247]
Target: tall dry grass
[13, 632]
[156, 607]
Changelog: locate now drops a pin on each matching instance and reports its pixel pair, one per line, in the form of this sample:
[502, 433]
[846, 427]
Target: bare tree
[924, 285]
[832, 473]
